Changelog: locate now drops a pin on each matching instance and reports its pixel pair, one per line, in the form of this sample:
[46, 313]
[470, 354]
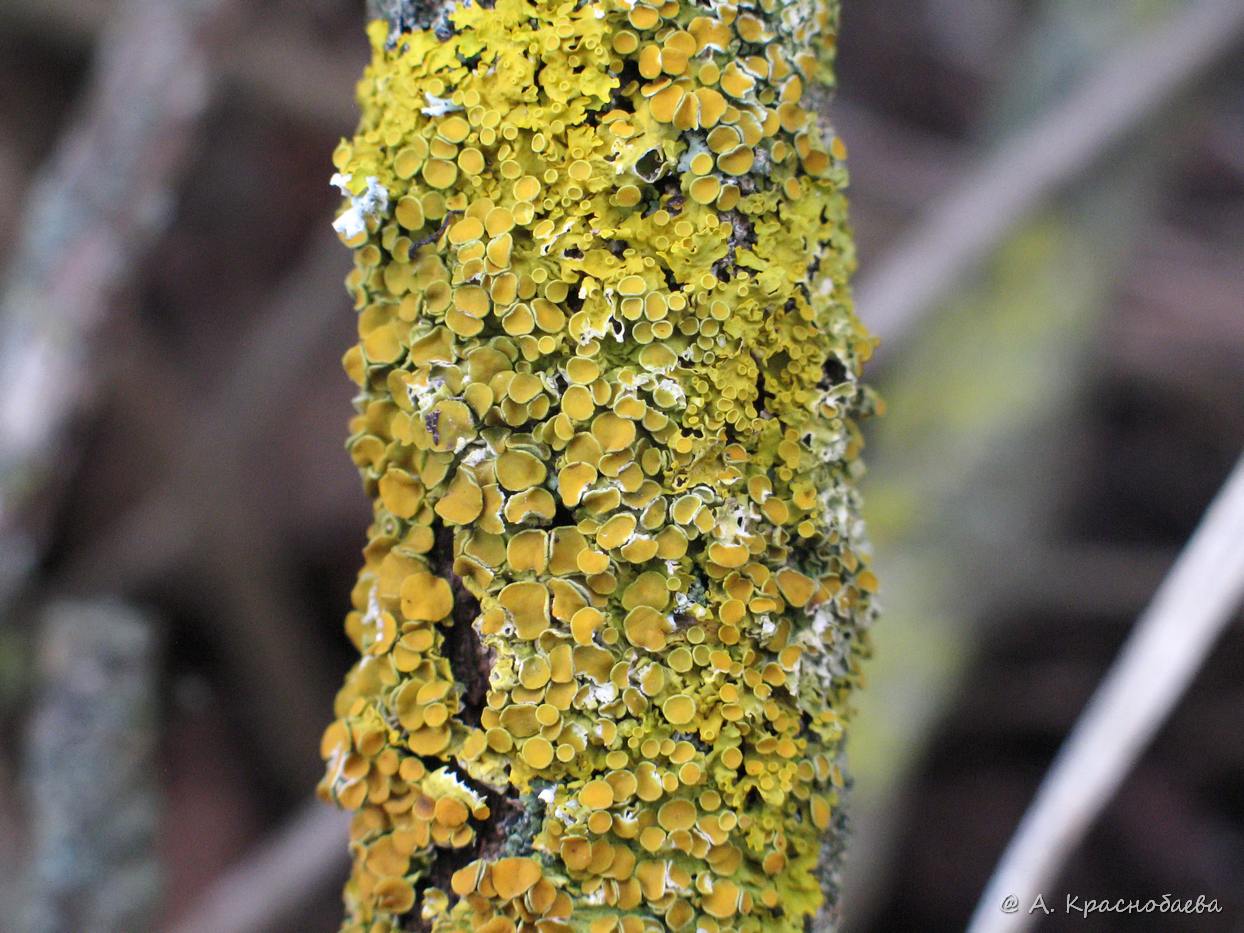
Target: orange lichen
[608, 393]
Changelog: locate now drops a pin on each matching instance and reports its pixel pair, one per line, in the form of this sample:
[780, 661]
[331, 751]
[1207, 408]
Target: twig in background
[274, 59]
[1170, 641]
[964, 226]
[256, 388]
[91, 773]
[94, 210]
[266, 889]
[257, 619]
[984, 448]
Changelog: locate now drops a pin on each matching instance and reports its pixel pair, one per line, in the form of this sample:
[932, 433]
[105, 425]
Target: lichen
[609, 387]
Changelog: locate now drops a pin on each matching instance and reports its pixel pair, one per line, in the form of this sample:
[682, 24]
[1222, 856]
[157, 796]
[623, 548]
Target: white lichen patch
[372, 201]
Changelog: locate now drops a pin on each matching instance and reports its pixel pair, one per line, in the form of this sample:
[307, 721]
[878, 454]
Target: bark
[91, 772]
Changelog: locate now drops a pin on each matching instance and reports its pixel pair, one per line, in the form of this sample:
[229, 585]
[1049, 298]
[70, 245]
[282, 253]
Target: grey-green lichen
[608, 377]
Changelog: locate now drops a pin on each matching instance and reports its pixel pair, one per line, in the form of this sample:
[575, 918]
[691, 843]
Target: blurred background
[1063, 360]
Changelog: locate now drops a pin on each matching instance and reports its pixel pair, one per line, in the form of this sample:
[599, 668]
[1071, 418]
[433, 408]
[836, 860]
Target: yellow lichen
[608, 377]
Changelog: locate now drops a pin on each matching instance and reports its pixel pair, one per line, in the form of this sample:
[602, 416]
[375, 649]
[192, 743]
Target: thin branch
[273, 59]
[164, 524]
[99, 204]
[963, 227]
[1170, 641]
[259, 623]
[91, 771]
[266, 889]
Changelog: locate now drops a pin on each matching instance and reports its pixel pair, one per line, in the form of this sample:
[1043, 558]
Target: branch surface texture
[614, 600]
[90, 770]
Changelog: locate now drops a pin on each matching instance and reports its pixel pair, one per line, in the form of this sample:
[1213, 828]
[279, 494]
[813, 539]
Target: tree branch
[266, 889]
[258, 624]
[166, 522]
[101, 201]
[964, 226]
[1171, 640]
[91, 771]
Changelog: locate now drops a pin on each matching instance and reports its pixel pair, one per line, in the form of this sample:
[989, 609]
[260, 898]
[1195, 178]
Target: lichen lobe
[614, 598]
